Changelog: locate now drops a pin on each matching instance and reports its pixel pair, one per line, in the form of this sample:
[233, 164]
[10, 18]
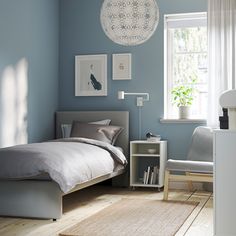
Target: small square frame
[121, 66]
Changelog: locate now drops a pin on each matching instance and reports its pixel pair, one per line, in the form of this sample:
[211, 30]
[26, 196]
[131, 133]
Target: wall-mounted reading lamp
[141, 98]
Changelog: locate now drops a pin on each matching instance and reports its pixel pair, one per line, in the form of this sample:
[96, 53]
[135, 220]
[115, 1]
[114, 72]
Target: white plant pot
[184, 112]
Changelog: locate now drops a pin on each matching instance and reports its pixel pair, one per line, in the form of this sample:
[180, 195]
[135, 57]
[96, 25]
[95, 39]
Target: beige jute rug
[135, 217]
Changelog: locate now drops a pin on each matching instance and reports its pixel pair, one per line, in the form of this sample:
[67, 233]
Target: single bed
[42, 198]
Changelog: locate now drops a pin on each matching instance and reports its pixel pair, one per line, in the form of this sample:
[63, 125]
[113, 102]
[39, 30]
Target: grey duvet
[68, 162]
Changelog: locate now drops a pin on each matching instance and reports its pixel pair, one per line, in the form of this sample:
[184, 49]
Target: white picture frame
[121, 66]
[91, 75]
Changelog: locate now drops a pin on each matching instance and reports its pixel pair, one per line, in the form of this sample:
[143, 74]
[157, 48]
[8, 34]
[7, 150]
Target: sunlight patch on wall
[14, 104]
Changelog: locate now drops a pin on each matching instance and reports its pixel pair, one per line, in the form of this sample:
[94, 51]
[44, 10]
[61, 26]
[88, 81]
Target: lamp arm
[139, 94]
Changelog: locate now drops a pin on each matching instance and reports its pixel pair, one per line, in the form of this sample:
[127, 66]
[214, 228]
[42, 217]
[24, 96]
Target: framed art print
[91, 75]
[121, 66]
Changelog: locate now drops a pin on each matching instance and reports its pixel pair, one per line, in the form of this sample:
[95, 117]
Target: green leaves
[182, 95]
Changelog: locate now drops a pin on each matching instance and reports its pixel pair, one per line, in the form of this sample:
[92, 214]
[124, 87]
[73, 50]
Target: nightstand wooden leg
[166, 185]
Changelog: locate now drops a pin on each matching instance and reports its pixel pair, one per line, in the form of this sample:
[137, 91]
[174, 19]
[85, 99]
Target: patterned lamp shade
[129, 22]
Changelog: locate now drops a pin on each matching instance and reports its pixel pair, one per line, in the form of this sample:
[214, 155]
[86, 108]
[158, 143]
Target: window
[186, 61]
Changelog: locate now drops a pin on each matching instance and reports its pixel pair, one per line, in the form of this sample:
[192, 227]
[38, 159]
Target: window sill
[182, 121]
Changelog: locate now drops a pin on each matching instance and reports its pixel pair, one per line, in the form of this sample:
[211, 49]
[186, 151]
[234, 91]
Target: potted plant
[183, 98]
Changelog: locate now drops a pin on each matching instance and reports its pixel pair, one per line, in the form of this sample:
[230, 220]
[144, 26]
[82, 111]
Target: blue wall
[81, 33]
[29, 56]
[29, 48]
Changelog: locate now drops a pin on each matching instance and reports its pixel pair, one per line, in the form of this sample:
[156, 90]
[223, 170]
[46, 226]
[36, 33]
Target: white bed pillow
[66, 128]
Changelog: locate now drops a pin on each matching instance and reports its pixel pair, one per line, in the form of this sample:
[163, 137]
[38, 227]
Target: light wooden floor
[84, 203]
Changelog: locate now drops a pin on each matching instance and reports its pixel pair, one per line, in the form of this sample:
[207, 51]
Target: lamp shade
[129, 22]
[228, 99]
[121, 95]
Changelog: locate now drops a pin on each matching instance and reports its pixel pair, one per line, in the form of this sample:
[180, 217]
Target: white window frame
[173, 21]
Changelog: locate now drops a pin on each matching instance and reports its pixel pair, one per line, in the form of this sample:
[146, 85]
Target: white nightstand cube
[147, 163]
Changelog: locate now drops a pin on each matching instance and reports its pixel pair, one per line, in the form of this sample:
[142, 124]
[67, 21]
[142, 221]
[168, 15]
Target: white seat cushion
[190, 166]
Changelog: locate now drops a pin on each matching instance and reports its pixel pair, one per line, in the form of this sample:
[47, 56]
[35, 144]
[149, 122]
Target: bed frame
[43, 198]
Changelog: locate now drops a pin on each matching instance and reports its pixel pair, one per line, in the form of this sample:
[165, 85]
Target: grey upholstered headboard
[119, 118]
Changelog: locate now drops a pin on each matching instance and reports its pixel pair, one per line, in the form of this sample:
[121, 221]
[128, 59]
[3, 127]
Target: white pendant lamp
[129, 22]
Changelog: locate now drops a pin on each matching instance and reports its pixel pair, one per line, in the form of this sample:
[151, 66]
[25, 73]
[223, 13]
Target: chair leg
[190, 183]
[166, 185]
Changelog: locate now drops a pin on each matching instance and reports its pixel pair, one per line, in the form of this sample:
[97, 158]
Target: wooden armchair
[199, 164]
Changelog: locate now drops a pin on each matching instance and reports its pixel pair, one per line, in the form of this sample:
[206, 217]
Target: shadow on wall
[13, 104]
